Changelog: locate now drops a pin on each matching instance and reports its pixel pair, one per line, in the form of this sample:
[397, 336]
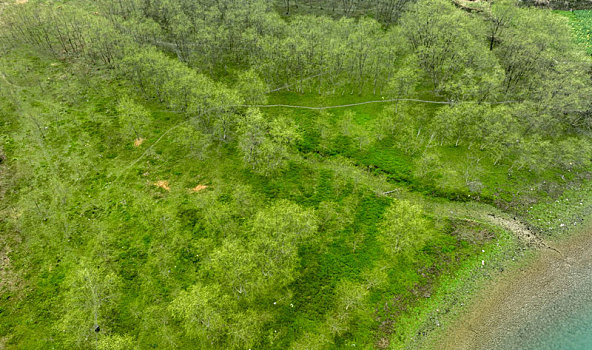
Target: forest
[258, 174]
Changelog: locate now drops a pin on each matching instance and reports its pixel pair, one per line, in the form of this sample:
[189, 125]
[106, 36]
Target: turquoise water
[566, 323]
[572, 334]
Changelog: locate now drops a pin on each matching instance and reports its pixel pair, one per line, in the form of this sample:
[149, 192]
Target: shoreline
[560, 223]
[511, 301]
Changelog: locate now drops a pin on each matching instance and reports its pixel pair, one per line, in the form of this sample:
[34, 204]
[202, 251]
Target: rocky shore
[522, 306]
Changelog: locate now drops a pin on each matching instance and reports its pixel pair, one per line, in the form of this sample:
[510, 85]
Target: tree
[278, 231]
[332, 217]
[403, 122]
[117, 342]
[251, 88]
[235, 266]
[427, 167]
[244, 271]
[489, 128]
[182, 32]
[404, 83]
[360, 44]
[222, 118]
[500, 16]
[265, 145]
[196, 143]
[572, 154]
[403, 229]
[90, 304]
[133, 117]
[264, 261]
[215, 319]
[535, 49]
[533, 153]
[105, 44]
[389, 11]
[447, 45]
[350, 298]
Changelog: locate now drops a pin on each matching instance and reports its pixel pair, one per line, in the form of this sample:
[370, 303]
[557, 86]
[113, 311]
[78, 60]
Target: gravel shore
[522, 307]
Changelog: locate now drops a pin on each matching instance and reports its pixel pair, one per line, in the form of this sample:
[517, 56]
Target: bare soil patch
[139, 141]
[164, 184]
[198, 188]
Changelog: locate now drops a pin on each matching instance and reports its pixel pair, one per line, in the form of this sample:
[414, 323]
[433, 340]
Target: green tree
[403, 122]
[427, 167]
[251, 88]
[279, 230]
[493, 129]
[195, 142]
[266, 145]
[350, 300]
[117, 342]
[403, 229]
[133, 117]
[89, 305]
[447, 44]
[215, 319]
[500, 16]
[535, 50]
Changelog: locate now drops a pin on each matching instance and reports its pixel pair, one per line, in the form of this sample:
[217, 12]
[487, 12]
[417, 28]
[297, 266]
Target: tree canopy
[240, 174]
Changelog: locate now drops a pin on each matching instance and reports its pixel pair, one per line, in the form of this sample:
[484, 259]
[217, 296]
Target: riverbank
[522, 304]
[515, 301]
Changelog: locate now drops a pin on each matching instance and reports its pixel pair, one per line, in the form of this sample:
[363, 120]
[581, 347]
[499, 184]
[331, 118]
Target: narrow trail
[522, 231]
[148, 150]
[322, 108]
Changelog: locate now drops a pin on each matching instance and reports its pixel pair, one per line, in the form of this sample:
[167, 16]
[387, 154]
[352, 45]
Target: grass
[104, 207]
[70, 169]
[581, 22]
[323, 133]
[554, 219]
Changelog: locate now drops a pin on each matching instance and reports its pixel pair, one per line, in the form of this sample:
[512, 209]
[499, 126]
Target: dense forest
[255, 174]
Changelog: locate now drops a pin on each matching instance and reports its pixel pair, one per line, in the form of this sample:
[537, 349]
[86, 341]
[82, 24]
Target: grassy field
[73, 160]
[146, 213]
[100, 177]
[582, 24]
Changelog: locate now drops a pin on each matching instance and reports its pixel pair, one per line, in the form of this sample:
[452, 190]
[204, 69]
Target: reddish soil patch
[198, 188]
[139, 141]
[164, 184]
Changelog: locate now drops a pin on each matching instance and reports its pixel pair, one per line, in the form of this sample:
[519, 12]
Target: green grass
[581, 22]
[116, 215]
[75, 177]
[497, 184]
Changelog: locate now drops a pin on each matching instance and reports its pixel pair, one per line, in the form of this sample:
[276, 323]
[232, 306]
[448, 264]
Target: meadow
[155, 195]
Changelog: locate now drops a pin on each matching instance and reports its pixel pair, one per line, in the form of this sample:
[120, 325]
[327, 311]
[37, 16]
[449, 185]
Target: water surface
[564, 323]
[544, 305]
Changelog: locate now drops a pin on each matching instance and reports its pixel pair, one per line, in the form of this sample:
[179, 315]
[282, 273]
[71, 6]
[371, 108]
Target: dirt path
[522, 231]
[523, 299]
